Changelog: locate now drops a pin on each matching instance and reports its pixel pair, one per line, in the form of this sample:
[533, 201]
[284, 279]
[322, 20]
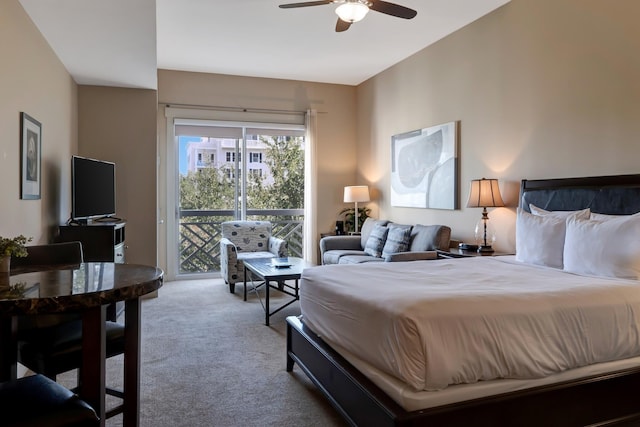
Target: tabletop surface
[76, 287]
[265, 268]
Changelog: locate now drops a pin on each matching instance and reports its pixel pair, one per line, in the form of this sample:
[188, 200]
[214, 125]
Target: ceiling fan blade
[342, 26]
[305, 4]
[392, 9]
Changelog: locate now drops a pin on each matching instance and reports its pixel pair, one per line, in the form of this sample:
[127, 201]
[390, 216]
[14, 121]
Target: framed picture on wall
[30, 156]
[424, 168]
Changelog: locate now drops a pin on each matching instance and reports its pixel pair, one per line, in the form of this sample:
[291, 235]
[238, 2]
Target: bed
[603, 393]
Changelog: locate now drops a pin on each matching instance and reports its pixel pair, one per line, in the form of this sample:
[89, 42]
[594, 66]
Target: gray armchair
[246, 239]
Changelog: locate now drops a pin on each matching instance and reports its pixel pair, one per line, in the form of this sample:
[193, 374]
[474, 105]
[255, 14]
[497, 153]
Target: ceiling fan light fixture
[352, 11]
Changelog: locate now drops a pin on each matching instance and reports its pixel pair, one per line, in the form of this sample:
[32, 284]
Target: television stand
[92, 221]
[108, 220]
[101, 242]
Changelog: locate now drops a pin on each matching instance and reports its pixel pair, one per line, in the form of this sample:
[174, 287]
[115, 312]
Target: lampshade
[484, 193]
[352, 11]
[356, 193]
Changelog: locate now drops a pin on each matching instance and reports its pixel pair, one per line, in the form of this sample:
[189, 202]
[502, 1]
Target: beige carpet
[209, 360]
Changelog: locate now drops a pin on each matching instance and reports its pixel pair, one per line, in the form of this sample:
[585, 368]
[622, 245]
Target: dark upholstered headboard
[615, 195]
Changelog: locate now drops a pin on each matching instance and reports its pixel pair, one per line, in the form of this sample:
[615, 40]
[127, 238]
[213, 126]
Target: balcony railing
[200, 230]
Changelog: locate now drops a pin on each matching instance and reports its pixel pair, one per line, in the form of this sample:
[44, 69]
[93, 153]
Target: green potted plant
[12, 246]
[349, 217]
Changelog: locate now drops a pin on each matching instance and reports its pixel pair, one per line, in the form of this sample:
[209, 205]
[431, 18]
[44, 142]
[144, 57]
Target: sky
[183, 141]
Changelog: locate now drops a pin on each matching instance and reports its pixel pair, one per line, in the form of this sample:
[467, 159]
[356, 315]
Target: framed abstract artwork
[30, 157]
[424, 168]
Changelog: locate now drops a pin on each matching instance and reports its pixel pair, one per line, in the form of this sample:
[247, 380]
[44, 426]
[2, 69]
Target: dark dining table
[86, 289]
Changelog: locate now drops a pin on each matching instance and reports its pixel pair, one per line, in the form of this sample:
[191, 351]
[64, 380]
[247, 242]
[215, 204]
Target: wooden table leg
[92, 374]
[9, 348]
[131, 415]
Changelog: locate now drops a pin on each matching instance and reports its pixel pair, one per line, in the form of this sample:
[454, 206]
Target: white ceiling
[124, 42]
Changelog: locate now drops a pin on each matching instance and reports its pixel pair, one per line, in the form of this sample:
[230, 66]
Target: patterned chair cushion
[248, 236]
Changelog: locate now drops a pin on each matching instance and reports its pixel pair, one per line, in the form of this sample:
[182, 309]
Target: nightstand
[460, 253]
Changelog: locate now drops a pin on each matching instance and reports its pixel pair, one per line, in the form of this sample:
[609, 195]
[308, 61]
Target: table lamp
[484, 193]
[355, 194]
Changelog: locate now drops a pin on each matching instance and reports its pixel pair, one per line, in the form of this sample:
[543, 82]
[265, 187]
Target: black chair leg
[232, 287]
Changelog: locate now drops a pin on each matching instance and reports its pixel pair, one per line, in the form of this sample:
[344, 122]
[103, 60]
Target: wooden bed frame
[601, 400]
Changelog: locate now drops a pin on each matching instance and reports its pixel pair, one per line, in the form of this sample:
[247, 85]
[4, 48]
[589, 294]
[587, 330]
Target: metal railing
[200, 232]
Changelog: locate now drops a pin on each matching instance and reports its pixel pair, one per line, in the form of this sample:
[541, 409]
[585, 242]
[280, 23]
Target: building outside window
[255, 157]
[231, 156]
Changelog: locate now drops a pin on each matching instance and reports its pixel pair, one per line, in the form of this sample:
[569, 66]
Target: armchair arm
[228, 249]
[278, 247]
[228, 258]
[412, 256]
[330, 243]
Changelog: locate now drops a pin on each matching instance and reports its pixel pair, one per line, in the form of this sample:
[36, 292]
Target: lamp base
[485, 249]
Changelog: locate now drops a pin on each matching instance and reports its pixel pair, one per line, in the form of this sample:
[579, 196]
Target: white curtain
[310, 249]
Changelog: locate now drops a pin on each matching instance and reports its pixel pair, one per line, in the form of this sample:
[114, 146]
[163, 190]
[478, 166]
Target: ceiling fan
[350, 11]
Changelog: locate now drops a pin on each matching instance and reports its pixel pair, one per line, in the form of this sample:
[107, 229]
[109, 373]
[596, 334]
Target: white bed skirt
[411, 400]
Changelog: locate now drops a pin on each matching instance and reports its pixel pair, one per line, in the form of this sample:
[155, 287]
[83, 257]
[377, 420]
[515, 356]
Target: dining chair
[42, 256]
[36, 400]
[52, 344]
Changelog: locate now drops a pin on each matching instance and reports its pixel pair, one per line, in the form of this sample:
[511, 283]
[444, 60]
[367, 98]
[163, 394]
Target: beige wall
[119, 125]
[336, 130]
[34, 81]
[542, 89]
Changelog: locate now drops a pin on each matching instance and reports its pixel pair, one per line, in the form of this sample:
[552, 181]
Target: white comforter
[442, 322]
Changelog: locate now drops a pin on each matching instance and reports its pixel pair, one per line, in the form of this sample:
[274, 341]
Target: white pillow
[608, 248]
[583, 213]
[540, 239]
[605, 217]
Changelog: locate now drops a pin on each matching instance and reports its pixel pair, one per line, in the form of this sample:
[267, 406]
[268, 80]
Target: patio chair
[246, 239]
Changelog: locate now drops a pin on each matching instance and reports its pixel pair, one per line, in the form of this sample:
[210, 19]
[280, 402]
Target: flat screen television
[93, 189]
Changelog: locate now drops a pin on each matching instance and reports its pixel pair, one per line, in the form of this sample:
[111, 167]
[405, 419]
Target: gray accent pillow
[367, 226]
[376, 240]
[430, 237]
[398, 239]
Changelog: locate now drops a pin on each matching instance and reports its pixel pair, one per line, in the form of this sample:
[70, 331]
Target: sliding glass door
[235, 170]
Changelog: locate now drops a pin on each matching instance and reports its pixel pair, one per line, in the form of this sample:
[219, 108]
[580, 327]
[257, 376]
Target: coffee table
[264, 270]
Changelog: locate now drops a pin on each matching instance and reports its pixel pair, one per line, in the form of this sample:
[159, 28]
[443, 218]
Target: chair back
[41, 257]
[248, 236]
[54, 254]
